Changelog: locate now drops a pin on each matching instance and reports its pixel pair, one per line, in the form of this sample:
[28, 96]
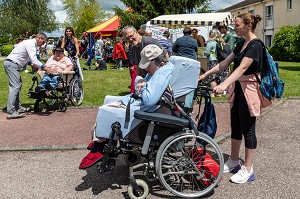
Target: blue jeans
[49, 79]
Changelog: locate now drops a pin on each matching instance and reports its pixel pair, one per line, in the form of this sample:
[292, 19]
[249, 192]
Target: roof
[183, 20]
[241, 4]
[107, 26]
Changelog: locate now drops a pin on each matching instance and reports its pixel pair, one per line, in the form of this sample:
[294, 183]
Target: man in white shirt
[20, 55]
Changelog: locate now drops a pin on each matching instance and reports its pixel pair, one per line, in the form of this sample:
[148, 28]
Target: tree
[83, 14]
[20, 16]
[142, 11]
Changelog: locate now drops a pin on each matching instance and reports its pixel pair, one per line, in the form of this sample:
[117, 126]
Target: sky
[108, 5]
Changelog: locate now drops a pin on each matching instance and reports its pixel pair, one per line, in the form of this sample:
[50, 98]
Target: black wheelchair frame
[171, 160]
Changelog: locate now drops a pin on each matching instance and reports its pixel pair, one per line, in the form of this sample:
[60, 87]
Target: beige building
[274, 13]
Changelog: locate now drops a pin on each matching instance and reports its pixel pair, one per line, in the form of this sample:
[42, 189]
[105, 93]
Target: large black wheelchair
[69, 88]
[168, 148]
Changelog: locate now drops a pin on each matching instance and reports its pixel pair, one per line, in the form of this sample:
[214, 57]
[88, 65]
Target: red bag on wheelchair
[206, 165]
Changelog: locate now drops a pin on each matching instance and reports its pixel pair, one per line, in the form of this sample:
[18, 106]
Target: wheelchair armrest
[159, 117]
[68, 72]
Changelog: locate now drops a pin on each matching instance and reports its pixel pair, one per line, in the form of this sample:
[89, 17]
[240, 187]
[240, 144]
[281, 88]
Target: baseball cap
[149, 53]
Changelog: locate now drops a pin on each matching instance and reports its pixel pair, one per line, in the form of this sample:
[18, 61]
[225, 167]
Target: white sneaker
[232, 166]
[243, 176]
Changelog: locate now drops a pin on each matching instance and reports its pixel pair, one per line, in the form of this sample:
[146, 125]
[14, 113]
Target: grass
[290, 73]
[98, 84]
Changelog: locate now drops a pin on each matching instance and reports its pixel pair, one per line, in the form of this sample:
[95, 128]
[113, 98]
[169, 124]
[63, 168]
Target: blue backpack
[270, 84]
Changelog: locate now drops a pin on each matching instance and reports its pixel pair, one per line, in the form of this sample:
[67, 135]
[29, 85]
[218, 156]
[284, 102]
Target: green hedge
[6, 49]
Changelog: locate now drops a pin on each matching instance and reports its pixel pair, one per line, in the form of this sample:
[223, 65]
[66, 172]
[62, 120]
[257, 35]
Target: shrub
[286, 44]
[4, 40]
[6, 49]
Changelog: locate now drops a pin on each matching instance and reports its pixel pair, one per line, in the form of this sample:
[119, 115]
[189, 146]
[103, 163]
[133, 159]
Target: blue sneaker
[243, 176]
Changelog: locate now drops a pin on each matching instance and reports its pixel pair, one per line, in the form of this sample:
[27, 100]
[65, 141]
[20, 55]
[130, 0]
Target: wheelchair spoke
[184, 165]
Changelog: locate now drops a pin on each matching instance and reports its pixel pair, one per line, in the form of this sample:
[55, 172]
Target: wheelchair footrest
[33, 94]
[159, 117]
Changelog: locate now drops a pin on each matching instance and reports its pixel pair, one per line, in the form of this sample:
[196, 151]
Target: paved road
[55, 174]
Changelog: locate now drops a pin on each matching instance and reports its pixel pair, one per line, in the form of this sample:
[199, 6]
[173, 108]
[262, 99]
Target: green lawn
[98, 84]
[290, 73]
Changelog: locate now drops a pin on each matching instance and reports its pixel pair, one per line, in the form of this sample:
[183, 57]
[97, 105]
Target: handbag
[208, 123]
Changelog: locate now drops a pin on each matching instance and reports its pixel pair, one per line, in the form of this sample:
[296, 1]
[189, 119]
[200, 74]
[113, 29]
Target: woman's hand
[219, 89]
[202, 77]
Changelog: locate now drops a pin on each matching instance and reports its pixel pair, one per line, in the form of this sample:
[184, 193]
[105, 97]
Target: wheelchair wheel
[76, 92]
[51, 101]
[63, 107]
[36, 107]
[188, 165]
[144, 188]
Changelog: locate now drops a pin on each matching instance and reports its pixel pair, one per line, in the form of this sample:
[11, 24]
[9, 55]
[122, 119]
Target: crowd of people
[150, 74]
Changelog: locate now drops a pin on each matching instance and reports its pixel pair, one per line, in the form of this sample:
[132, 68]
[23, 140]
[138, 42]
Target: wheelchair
[188, 163]
[69, 88]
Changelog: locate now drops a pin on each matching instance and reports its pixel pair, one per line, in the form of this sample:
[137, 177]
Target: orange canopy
[106, 28]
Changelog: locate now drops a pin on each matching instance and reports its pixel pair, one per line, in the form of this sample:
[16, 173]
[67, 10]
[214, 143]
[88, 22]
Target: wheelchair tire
[36, 107]
[63, 107]
[76, 91]
[142, 185]
[182, 172]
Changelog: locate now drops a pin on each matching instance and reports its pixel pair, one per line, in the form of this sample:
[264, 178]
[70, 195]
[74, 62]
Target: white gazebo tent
[184, 20]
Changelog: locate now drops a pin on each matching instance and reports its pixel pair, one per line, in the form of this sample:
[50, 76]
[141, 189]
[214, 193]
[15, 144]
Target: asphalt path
[55, 174]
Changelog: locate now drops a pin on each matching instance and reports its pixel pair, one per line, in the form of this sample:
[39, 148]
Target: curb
[218, 139]
[43, 148]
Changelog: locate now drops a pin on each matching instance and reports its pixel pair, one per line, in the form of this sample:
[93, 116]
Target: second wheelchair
[69, 88]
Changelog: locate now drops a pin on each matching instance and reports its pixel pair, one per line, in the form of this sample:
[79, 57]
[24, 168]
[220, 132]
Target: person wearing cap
[24, 52]
[186, 46]
[137, 43]
[149, 90]
[164, 41]
[54, 66]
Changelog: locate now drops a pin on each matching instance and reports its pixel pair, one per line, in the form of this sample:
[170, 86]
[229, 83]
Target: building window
[269, 13]
[268, 40]
[289, 5]
[251, 12]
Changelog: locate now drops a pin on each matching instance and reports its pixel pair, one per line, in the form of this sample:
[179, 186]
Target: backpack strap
[264, 57]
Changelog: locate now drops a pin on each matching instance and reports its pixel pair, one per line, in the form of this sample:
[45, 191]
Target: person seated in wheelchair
[160, 73]
[54, 67]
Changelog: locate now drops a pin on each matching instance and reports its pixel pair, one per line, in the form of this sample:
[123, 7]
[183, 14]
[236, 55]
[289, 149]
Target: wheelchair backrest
[185, 75]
